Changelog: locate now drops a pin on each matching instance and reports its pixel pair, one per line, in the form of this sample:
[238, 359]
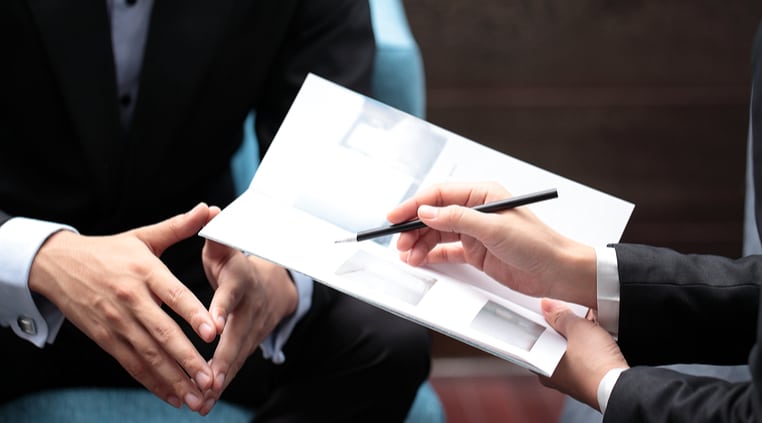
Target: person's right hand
[514, 246]
[112, 288]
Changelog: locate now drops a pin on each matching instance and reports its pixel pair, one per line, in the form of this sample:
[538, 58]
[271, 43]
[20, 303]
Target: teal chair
[398, 80]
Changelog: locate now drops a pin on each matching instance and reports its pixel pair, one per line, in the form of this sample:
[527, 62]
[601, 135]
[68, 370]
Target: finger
[214, 211]
[236, 343]
[219, 261]
[210, 400]
[230, 354]
[442, 194]
[426, 236]
[559, 315]
[459, 220]
[146, 360]
[166, 331]
[168, 334]
[592, 315]
[408, 209]
[215, 256]
[164, 285]
[160, 236]
[226, 299]
[447, 253]
[407, 240]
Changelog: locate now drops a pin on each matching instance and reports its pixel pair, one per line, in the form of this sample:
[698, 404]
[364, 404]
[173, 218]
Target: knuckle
[152, 358]
[234, 293]
[101, 335]
[139, 371]
[176, 294]
[126, 293]
[110, 314]
[164, 333]
[188, 363]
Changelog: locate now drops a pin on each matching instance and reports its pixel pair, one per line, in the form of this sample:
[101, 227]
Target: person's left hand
[251, 297]
[590, 353]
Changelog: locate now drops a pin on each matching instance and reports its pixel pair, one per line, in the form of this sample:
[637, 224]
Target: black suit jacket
[64, 156]
[678, 308]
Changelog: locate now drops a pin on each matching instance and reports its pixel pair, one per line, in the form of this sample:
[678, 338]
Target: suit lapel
[78, 41]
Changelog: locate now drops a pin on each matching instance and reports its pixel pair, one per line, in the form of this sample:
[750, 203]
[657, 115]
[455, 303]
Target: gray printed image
[385, 155]
[508, 326]
[385, 277]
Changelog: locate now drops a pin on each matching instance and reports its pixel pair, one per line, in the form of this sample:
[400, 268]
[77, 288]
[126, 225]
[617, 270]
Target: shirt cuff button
[27, 325]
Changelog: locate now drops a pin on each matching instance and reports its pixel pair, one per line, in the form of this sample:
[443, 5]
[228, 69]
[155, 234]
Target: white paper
[341, 161]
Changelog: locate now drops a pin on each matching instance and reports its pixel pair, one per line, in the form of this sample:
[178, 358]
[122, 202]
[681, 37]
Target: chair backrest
[398, 75]
[398, 80]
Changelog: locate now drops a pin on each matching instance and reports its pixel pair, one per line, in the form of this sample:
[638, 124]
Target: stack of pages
[341, 161]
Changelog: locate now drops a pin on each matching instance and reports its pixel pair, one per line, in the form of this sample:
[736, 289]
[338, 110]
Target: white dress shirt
[607, 274]
[31, 316]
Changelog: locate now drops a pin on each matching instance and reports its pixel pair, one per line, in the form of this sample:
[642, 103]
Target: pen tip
[339, 241]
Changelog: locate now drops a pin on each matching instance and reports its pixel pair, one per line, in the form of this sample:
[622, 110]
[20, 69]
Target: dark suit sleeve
[684, 308]
[330, 38]
[3, 217]
[679, 308]
[655, 394]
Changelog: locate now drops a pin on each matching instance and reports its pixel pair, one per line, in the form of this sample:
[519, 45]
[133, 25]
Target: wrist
[577, 274]
[292, 295]
[606, 386]
[44, 266]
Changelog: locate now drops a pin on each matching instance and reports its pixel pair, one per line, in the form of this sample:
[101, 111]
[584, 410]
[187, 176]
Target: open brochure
[341, 161]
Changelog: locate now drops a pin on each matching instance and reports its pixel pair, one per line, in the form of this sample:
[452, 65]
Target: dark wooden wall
[646, 100]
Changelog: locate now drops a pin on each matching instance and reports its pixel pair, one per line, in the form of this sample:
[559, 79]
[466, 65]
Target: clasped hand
[113, 287]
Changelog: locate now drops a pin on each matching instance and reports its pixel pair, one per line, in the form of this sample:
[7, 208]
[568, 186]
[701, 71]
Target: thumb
[160, 236]
[558, 314]
[457, 219]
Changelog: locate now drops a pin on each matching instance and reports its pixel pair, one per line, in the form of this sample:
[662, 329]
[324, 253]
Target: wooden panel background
[646, 100]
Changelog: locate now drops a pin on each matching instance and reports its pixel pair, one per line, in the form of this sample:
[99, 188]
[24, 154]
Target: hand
[590, 353]
[251, 297]
[112, 289]
[514, 247]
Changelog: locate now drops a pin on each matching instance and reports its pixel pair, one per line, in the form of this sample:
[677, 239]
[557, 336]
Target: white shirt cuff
[606, 386]
[272, 346]
[31, 316]
[607, 273]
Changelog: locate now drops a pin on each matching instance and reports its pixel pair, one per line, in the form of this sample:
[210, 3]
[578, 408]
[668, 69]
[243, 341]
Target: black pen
[508, 203]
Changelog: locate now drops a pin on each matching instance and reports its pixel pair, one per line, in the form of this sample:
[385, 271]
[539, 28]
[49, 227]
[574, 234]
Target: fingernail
[193, 401]
[220, 322]
[550, 306]
[208, 405]
[203, 380]
[207, 331]
[219, 381]
[427, 212]
[191, 210]
[174, 401]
